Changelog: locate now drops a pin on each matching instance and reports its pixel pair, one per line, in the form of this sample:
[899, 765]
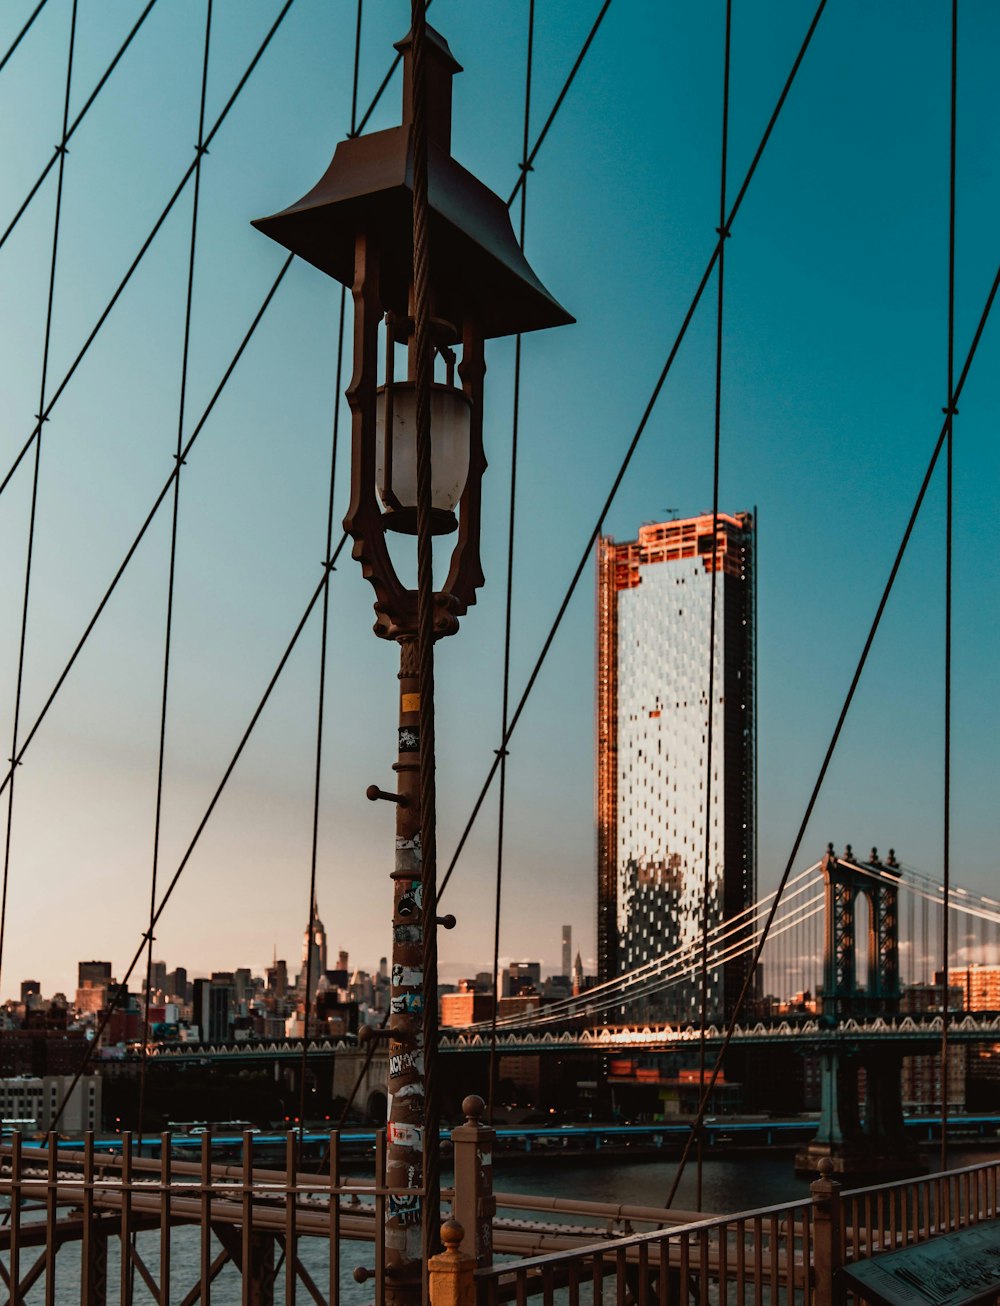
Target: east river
[731, 1183]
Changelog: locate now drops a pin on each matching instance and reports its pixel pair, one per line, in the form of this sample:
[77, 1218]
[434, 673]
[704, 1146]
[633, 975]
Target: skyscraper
[314, 938]
[653, 623]
[567, 950]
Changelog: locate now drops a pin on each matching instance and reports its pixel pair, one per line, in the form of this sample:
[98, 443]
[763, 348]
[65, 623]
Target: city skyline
[832, 389]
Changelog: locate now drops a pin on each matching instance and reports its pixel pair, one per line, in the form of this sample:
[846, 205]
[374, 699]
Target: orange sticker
[410, 702]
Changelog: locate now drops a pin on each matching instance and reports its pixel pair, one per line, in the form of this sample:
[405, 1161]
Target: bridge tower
[861, 1126]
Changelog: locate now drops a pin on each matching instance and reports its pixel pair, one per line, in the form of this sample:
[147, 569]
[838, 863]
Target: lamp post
[356, 225]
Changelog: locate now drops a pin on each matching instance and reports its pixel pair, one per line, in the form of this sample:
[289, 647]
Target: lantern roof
[477, 266]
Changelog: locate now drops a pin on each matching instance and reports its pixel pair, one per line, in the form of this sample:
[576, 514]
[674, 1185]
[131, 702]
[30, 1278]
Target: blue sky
[834, 382]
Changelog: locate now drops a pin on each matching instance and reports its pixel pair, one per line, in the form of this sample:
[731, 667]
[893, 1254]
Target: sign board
[952, 1270]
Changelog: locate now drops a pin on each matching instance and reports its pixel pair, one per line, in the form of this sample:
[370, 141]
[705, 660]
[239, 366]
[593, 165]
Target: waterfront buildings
[653, 621]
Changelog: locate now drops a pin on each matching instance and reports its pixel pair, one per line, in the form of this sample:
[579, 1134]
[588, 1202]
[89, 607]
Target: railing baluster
[165, 1180]
[206, 1220]
[573, 1284]
[246, 1208]
[548, 1295]
[334, 1294]
[521, 1288]
[14, 1258]
[685, 1271]
[703, 1268]
[758, 1261]
[723, 1264]
[125, 1235]
[790, 1258]
[643, 1297]
[775, 1266]
[621, 1278]
[598, 1280]
[51, 1209]
[380, 1218]
[807, 1216]
[87, 1233]
[741, 1260]
[664, 1286]
[291, 1233]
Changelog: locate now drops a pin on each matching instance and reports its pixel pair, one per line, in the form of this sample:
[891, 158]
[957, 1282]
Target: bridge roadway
[811, 1035]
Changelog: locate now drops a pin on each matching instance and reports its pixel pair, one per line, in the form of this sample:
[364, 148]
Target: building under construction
[653, 622]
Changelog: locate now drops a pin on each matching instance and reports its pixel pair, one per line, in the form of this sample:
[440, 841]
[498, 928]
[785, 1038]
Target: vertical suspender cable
[61, 149]
[501, 807]
[423, 376]
[324, 631]
[172, 565]
[950, 412]
[715, 556]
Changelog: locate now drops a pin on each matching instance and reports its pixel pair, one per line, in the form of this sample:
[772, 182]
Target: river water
[730, 1183]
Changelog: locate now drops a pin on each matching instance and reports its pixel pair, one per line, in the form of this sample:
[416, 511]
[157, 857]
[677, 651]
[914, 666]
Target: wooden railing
[786, 1255]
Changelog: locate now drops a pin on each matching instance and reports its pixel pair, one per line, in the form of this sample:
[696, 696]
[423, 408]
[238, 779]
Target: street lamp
[356, 225]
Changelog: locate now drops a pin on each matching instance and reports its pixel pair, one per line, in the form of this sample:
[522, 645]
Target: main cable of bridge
[622, 987]
[634, 442]
[842, 717]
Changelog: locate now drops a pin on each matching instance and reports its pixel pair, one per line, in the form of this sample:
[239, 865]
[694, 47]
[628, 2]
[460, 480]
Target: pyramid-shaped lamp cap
[477, 267]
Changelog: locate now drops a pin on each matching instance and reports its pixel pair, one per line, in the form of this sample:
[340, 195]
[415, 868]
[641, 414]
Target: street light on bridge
[356, 225]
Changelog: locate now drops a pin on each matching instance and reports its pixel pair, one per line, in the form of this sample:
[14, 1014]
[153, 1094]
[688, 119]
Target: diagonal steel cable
[633, 443]
[22, 33]
[36, 187]
[178, 191]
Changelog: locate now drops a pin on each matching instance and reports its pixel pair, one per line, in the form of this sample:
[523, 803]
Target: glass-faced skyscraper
[653, 622]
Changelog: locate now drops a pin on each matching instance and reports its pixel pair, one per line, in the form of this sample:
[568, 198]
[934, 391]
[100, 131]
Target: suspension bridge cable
[22, 33]
[842, 717]
[634, 443]
[325, 625]
[258, 712]
[36, 187]
[133, 547]
[713, 600]
[685, 968]
[265, 304]
[613, 992]
[650, 969]
[32, 517]
[154, 231]
[509, 596]
[529, 160]
[172, 564]
[949, 504]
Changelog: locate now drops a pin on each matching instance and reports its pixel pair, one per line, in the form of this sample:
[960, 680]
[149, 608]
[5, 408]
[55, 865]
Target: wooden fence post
[451, 1281]
[826, 1214]
[474, 1205]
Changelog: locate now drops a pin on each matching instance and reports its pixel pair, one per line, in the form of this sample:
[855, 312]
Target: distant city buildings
[653, 622]
[567, 950]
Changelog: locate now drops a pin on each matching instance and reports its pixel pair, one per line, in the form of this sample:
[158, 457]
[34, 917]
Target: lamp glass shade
[450, 437]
